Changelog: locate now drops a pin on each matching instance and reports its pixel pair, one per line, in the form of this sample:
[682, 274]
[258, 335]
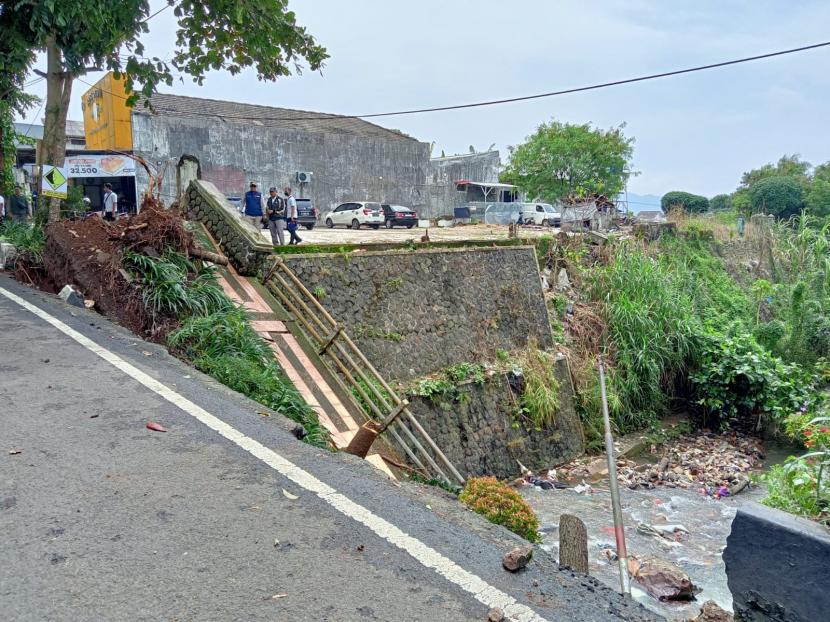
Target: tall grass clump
[172, 285]
[540, 394]
[651, 327]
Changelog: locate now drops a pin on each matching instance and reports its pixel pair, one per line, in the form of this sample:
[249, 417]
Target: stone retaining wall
[474, 426]
[238, 238]
[413, 313]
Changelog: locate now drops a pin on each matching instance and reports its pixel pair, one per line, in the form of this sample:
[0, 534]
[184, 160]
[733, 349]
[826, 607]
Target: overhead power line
[495, 102]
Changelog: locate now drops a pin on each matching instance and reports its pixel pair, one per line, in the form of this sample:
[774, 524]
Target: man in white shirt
[2, 207]
[110, 203]
[291, 215]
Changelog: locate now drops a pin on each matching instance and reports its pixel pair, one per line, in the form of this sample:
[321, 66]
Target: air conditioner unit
[303, 178]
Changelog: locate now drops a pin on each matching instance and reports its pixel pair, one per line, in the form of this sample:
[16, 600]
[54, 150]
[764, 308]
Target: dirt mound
[88, 254]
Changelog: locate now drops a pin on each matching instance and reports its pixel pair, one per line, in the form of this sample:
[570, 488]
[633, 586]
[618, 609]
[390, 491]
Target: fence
[378, 399]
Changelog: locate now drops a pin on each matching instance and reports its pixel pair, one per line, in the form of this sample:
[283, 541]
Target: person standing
[275, 208]
[19, 206]
[252, 206]
[2, 208]
[110, 203]
[292, 215]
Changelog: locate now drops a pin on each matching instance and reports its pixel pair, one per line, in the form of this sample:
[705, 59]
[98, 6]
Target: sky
[696, 132]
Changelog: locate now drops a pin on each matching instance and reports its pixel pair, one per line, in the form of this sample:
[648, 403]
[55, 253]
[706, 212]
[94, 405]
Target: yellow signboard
[53, 183]
[107, 118]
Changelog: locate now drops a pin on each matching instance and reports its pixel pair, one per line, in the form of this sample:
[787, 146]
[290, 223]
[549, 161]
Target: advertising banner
[107, 165]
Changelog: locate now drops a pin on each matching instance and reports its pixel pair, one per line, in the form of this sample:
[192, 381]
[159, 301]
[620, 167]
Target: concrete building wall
[440, 196]
[346, 166]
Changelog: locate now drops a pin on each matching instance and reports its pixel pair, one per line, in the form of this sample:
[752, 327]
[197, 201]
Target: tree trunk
[58, 92]
[573, 543]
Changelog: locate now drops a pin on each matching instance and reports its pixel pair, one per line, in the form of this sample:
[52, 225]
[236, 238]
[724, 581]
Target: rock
[7, 255]
[712, 612]
[70, 295]
[518, 558]
[562, 281]
[662, 579]
[496, 615]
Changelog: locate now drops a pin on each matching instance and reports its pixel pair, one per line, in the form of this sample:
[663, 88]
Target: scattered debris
[276, 542]
[583, 489]
[152, 425]
[663, 531]
[15, 452]
[95, 416]
[288, 495]
[517, 558]
[712, 612]
[717, 465]
[662, 579]
[562, 280]
[495, 615]
[275, 597]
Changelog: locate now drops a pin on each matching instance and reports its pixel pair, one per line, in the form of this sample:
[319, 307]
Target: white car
[355, 215]
[540, 214]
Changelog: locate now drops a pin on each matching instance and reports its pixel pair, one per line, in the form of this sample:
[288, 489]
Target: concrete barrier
[778, 567]
[240, 241]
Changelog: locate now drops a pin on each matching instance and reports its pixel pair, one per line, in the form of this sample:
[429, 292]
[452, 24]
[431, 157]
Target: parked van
[540, 214]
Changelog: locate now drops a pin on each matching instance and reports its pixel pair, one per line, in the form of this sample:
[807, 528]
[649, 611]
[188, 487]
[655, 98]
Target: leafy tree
[692, 203]
[787, 166]
[740, 201]
[86, 35]
[15, 57]
[720, 202]
[780, 196]
[561, 159]
[817, 197]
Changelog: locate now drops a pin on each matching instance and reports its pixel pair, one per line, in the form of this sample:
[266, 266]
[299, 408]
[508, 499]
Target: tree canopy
[86, 35]
[781, 196]
[562, 159]
[692, 203]
[720, 202]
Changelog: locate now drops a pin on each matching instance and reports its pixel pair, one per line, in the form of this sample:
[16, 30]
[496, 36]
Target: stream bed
[698, 553]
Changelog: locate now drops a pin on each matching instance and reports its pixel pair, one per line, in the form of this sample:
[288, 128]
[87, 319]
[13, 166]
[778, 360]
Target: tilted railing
[378, 399]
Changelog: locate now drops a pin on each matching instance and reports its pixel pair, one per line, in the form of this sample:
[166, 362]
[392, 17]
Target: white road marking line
[428, 557]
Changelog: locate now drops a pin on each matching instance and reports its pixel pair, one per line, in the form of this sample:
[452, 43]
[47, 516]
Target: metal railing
[378, 399]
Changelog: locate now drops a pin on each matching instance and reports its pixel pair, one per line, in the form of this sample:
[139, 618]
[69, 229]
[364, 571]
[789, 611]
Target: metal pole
[619, 532]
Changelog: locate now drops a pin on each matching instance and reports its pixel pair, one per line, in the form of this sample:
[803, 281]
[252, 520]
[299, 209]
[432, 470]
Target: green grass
[29, 239]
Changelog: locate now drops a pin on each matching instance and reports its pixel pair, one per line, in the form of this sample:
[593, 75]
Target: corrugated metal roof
[232, 112]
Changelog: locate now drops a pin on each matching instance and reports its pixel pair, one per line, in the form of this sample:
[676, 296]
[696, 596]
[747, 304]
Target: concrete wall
[440, 196]
[416, 312]
[474, 426]
[778, 566]
[239, 240]
[345, 166]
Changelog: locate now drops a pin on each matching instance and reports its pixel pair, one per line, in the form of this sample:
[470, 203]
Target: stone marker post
[573, 543]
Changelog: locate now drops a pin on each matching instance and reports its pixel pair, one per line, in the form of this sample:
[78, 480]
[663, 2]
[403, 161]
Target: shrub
[501, 505]
[737, 380]
[540, 395]
[780, 196]
[692, 203]
[29, 240]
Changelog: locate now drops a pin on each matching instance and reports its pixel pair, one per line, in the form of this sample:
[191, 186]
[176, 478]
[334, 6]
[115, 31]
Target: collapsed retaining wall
[777, 566]
[238, 238]
[480, 431]
[413, 313]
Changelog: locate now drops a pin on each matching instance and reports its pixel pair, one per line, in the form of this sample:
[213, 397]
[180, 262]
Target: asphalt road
[226, 516]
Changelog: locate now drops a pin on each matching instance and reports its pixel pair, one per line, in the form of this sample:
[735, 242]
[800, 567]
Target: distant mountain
[642, 202]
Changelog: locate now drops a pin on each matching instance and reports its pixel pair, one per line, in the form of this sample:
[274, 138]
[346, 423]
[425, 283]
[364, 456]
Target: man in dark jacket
[275, 208]
[19, 206]
[252, 206]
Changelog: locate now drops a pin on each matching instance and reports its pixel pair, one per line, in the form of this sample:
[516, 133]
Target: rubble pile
[87, 254]
[717, 465]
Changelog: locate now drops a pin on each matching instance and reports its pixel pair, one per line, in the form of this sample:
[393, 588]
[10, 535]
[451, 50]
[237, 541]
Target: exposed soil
[88, 255]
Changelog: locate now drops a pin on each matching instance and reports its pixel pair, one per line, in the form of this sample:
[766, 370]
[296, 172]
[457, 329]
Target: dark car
[307, 213]
[399, 215]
